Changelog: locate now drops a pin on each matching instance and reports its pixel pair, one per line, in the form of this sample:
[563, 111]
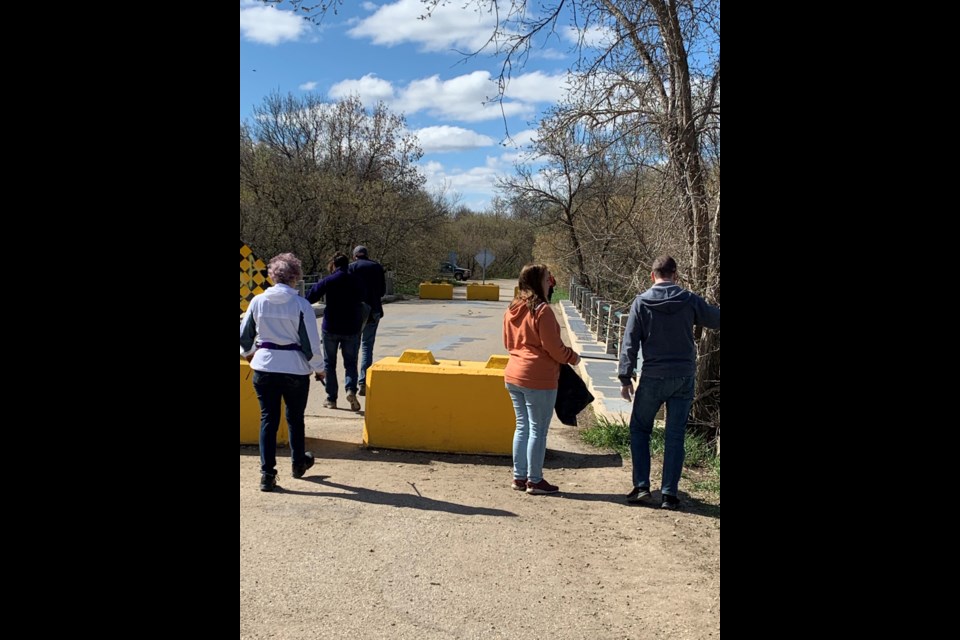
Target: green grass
[407, 289]
[609, 435]
[700, 454]
[559, 293]
[711, 482]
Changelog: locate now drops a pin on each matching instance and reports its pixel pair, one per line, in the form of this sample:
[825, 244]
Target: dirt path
[386, 544]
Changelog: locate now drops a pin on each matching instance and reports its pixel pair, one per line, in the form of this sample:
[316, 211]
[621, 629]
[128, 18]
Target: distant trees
[320, 177]
[511, 240]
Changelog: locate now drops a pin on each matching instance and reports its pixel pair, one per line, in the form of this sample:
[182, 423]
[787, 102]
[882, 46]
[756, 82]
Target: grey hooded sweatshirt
[660, 330]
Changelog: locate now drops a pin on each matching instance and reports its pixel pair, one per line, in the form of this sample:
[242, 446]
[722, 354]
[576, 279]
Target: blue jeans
[677, 393]
[348, 345]
[367, 337]
[534, 409]
[292, 389]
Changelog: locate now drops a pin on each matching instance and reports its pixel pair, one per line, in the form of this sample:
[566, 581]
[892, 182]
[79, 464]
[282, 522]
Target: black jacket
[572, 396]
[374, 282]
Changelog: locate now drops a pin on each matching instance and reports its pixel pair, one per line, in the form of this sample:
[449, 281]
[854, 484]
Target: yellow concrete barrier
[417, 403]
[483, 292]
[250, 411]
[431, 291]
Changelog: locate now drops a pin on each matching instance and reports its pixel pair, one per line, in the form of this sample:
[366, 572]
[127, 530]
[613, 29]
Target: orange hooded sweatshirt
[536, 350]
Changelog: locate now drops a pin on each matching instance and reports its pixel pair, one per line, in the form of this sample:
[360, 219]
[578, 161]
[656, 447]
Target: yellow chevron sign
[253, 276]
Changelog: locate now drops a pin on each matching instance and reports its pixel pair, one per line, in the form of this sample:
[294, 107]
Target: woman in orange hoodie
[531, 334]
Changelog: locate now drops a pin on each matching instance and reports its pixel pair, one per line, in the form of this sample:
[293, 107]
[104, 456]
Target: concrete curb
[598, 368]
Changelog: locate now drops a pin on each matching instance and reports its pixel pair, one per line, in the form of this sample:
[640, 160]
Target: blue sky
[382, 51]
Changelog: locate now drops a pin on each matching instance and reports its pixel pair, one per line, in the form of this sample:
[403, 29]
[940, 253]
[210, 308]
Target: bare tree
[557, 192]
[649, 71]
[320, 177]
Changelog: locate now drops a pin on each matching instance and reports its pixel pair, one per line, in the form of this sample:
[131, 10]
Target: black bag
[572, 396]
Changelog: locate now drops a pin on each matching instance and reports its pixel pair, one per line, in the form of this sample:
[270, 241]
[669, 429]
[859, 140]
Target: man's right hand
[626, 392]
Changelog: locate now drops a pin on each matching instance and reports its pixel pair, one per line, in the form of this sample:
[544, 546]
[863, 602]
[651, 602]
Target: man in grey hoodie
[661, 327]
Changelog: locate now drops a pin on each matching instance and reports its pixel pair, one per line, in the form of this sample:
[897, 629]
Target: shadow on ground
[339, 450]
[398, 500]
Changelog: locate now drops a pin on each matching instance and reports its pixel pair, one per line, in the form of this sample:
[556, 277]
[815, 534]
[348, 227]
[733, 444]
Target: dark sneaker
[518, 484]
[670, 502]
[362, 389]
[541, 488]
[639, 495]
[354, 403]
[268, 482]
[300, 469]
[329, 404]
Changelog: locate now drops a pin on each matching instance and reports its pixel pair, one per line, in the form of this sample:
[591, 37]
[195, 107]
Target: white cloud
[443, 139]
[596, 36]
[369, 88]
[475, 180]
[308, 86]
[537, 87]
[268, 25]
[450, 27]
[465, 98]
[521, 138]
[370, 6]
[549, 54]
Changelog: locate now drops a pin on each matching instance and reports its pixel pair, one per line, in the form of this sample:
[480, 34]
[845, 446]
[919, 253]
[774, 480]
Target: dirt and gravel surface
[388, 544]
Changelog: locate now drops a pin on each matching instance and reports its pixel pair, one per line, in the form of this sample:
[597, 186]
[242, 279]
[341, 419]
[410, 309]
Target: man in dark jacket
[375, 284]
[661, 327]
[342, 293]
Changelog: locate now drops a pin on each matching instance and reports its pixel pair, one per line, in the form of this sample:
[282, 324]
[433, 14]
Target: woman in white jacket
[279, 338]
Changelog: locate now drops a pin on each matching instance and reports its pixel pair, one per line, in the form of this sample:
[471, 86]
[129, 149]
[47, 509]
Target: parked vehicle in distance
[451, 270]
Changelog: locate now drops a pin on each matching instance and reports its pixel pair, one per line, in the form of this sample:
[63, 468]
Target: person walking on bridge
[371, 274]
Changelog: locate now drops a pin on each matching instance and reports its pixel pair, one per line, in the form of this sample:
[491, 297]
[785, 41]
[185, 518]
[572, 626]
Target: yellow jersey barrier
[483, 292]
[417, 403]
[250, 410]
[436, 291]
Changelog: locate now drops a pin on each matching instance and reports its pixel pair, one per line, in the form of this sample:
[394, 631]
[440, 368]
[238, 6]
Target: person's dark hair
[664, 267]
[530, 286]
[339, 260]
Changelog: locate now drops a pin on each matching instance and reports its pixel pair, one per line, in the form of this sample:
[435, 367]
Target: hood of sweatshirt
[516, 315]
[665, 298]
[280, 294]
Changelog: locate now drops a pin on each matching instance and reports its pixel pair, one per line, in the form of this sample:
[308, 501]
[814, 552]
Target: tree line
[318, 177]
